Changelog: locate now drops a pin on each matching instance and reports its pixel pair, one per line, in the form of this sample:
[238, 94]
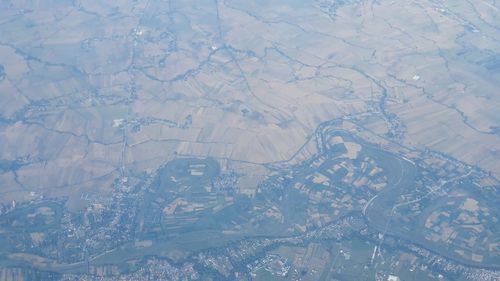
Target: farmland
[249, 140]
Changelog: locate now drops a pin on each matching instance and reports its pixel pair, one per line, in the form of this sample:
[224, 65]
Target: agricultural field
[250, 140]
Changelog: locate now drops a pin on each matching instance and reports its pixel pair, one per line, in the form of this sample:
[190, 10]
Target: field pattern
[249, 140]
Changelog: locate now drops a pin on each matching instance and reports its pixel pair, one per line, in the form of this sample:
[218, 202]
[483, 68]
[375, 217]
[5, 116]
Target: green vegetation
[30, 218]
